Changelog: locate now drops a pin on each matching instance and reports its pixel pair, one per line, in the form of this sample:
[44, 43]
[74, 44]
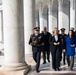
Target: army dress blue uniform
[36, 43]
[63, 44]
[63, 36]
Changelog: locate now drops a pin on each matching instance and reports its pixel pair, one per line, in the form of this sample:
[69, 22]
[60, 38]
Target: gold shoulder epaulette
[32, 35]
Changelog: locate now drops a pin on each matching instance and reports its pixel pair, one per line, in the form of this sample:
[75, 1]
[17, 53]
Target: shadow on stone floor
[45, 69]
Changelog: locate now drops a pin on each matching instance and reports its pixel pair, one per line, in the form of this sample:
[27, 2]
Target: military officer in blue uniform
[63, 35]
[36, 43]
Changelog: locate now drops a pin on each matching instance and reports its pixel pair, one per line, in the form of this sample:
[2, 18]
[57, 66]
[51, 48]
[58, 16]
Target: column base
[5, 70]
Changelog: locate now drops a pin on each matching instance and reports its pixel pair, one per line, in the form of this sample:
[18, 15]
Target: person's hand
[43, 44]
[73, 45]
[55, 43]
[58, 43]
[64, 50]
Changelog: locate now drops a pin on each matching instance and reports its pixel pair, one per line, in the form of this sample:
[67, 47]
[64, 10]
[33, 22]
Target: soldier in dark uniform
[74, 32]
[46, 47]
[63, 35]
[36, 43]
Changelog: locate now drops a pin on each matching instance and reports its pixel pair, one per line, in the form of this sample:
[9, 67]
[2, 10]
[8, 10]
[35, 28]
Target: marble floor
[46, 69]
[55, 74]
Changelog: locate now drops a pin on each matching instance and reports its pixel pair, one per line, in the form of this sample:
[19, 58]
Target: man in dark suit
[63, 35]
[55, 50]
[46, 47]
[36, 43]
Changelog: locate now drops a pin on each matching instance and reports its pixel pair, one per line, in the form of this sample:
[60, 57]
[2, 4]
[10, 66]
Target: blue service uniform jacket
[36, 42]
[70, 51]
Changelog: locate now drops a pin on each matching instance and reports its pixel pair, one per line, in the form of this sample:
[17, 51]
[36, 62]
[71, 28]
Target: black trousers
[56, 59]
[36, 57]
[46, 54]
[64, 57]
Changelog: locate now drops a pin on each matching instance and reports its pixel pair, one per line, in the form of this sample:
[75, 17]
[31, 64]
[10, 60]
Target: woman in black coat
[56, 50]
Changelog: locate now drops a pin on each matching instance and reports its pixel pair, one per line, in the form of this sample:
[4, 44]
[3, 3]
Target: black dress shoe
[49, 61]
[37, 71]
[44, 62]
[64, 63]
[58, 69]
[55, 69]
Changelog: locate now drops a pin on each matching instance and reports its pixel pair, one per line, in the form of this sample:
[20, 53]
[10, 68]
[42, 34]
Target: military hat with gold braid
[37, 28]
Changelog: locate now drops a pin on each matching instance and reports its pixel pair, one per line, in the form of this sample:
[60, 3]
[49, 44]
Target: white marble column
[37, 17]
[41, 17]
[1, 28]
[72, 13]
[50, 16]
[14, 58]
[29, 22]
[60, 14]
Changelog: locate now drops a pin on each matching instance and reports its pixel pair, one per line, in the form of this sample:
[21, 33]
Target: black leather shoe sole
[37, 71]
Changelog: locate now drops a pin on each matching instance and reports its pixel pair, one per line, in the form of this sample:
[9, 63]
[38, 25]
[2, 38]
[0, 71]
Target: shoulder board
[32, 35]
